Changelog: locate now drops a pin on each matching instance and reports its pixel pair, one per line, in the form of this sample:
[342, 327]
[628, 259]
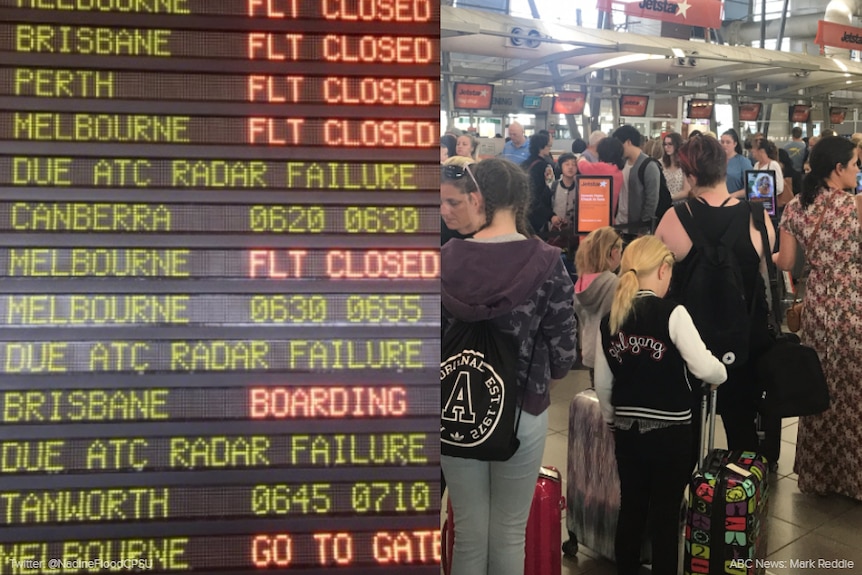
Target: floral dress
[675, 181]
[829, 445]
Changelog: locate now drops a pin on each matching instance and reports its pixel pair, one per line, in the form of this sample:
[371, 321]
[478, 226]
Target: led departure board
[219, 286]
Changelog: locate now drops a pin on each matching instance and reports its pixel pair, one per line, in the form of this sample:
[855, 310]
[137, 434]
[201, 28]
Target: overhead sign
[838, 35]
[749, 112]
[700, 109]
[569, 103]
[703, 13]
[837, 115]
[799, 113]
[473, 96]
[633, 105]
[532, 101]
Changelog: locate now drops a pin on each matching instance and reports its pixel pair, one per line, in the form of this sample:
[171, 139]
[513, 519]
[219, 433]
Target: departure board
[219, 286]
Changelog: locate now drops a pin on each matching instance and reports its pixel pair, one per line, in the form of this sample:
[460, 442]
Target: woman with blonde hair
[466, 146]
[648, 344]
[596, 261]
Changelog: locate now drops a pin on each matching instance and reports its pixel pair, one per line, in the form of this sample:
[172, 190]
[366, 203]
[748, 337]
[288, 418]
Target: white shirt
[779, 176]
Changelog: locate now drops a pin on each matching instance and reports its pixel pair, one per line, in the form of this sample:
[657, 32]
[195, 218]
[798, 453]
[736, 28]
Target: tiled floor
[801, 527]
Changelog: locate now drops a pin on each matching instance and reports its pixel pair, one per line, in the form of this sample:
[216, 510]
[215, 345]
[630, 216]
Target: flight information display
[219, 286]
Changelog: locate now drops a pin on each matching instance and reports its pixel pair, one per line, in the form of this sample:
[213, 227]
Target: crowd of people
[499, 216]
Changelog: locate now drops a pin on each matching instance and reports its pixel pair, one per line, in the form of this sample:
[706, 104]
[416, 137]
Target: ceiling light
[627, 59]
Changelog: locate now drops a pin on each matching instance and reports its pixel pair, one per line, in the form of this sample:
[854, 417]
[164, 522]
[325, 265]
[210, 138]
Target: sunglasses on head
[455, 172]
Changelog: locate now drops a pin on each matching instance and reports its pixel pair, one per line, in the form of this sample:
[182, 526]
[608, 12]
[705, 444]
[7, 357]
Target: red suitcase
[544, 527]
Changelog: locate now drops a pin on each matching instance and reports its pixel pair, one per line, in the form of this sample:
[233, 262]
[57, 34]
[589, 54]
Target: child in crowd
[596, 261]
[648, 346]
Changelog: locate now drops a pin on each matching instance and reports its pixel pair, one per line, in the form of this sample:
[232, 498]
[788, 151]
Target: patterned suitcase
[593, 484]
[544, 527]
[726, 528]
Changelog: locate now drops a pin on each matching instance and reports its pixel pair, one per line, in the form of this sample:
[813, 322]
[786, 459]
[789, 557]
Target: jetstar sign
[831, 34]
[703, 13]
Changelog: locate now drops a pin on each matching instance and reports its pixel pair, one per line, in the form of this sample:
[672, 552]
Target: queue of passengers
[522, 197]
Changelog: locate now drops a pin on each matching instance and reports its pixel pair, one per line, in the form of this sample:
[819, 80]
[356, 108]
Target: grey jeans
[491, 503]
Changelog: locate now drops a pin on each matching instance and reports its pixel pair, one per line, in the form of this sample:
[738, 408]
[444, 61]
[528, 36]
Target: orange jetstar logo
[703, 13]
[838, 36]
[473, 96]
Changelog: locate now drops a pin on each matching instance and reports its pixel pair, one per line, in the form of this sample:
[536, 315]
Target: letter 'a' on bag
[479, 392]
[793, 379]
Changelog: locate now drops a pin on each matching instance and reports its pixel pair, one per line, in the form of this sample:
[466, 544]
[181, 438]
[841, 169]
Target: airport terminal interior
[757, 64]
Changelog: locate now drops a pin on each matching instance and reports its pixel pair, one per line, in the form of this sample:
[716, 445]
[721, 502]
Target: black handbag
[790, 373]
[792, 379]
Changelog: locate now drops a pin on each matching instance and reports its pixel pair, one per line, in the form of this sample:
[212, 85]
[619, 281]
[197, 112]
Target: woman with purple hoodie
[519, 283]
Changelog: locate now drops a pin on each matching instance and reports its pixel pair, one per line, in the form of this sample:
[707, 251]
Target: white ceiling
[479, 47]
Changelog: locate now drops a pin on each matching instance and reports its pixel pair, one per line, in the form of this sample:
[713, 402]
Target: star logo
[683, 8]
[604, 184]
[484, 93]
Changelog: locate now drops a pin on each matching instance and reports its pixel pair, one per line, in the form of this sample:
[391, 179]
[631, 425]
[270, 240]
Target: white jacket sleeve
[604, 380]
[701, 363]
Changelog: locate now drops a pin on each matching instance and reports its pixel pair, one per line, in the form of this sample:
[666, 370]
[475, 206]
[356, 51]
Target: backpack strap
[758, 216]
[642, 169]
[686, 218]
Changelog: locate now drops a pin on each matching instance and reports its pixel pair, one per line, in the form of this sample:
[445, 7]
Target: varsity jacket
[642, 372]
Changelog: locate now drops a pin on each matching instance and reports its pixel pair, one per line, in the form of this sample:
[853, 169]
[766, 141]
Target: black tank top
[714, 221]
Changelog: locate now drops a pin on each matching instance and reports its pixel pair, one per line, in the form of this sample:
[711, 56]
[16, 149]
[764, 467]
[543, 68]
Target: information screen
[219, 286]
[595, 202]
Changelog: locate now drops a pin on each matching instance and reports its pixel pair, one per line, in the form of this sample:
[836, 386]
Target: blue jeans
[491, 503]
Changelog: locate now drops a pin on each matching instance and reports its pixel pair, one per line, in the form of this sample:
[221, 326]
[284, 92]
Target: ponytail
[641, 258]
[624, 299]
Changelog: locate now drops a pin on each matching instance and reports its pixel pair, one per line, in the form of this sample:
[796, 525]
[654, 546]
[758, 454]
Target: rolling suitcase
[593, 484]
[544, 527]
[725, 532]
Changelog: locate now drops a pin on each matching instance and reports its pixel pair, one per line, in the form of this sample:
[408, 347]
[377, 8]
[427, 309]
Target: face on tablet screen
[760, 187]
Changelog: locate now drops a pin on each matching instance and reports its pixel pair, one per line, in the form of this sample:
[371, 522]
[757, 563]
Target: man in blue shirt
[796, 149]
[517, 149]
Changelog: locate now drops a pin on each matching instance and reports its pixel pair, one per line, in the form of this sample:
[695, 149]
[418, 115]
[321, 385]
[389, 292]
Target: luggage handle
[709, 434]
